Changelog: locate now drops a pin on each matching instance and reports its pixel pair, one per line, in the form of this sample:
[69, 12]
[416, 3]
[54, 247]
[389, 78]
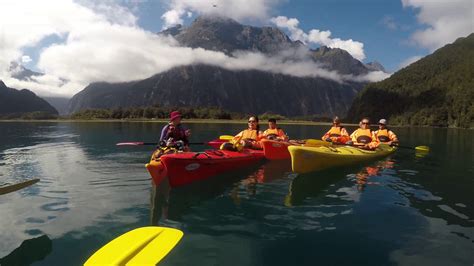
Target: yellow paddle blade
[141, 246]
[10, 188]
[422, 148]
[317, 142]
[226, 137]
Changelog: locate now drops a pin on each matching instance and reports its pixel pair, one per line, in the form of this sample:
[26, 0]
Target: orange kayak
[276, 150]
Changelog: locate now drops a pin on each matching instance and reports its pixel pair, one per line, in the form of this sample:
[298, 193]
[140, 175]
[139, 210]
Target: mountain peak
[2, 85]
[375, 66]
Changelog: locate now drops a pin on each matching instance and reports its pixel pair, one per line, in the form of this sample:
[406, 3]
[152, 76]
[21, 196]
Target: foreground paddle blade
[422, 148]
[18, 186]
[141, 246]
[226, 137]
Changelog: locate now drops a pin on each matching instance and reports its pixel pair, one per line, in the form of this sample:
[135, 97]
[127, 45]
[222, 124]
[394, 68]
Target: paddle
[142, 246]
[317, 142]
[417, 148]
[226, 137]
[152, 143]
[18, 186]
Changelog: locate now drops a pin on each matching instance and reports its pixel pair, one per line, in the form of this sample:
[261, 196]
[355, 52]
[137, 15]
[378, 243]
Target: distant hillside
[15, 103]
[437, 90]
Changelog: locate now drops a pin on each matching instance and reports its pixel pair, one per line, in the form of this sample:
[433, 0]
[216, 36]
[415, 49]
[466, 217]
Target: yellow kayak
[308, 159]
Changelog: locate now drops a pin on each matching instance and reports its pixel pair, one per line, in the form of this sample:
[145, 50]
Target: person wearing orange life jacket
[384, 135]
[337, 133]
[250, 137]
[363, 135]
[273, 132]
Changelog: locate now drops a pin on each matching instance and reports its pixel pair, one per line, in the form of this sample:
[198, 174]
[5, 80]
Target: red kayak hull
[276, 150]
[187, 167]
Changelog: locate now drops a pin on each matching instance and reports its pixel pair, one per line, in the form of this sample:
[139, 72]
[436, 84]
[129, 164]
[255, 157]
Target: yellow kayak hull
[309, 159]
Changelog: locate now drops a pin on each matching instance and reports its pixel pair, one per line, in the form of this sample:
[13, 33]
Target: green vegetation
[38, 115]
[437, 90]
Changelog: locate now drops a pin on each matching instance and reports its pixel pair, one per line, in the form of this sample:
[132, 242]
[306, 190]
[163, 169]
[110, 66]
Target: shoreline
[200, 121]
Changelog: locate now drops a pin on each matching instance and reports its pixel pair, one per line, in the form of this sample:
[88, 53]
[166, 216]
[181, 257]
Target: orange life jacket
[250, 134]
[276, 131]
[382, 135]
[335, 131]
[363, 136]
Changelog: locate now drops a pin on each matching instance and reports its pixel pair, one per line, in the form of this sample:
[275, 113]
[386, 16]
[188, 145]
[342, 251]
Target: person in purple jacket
[174, 131]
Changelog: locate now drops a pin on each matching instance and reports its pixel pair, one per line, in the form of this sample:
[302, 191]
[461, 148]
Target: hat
[174, 115]
[383, 121]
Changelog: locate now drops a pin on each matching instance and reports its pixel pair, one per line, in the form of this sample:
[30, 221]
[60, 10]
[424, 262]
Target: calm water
[402, 210]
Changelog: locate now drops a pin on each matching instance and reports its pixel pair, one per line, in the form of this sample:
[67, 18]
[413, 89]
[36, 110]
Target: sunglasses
[365, 123]
[252, 121]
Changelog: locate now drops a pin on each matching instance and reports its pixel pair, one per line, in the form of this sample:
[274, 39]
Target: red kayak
[216, 144]
[186, 167]
[276, 150]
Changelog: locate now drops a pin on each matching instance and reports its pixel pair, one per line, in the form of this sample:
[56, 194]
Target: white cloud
[236, 9]
[25, 59]
[355, 48]
[409, 61]
[445, 20]
[389, 22]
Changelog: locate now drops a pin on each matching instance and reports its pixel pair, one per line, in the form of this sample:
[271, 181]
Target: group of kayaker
[362, 137]
[250, 138]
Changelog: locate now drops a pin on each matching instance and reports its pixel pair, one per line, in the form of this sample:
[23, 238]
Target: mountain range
[250, 91]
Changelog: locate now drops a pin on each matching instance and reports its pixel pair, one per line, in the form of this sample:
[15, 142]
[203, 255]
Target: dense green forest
[437, 90]
[186, 112]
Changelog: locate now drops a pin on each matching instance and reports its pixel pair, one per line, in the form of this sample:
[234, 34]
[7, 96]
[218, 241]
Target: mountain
[227, 35]
[375, 66]
[249, 91]
[22, 73]
[240, 91]
[14, 102]
[437, 90]
[59, 103]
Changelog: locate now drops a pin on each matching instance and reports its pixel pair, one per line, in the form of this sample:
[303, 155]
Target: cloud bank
[445, 21]
[99, 42]
[315, 36]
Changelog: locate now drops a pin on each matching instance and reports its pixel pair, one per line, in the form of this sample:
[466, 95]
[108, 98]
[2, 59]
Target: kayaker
[273, 132]
[337, 133]
[250, 137]
[384, 135]
[174, 131]
[363, 135]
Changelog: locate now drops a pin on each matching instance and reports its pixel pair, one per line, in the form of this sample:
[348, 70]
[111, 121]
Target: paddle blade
[129, 143]
[11, 188]
[422, 148]
[226, 137]
[317, 142]
[141, 246]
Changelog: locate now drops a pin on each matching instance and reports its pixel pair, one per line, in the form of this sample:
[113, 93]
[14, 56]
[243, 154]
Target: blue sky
[384, 26]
